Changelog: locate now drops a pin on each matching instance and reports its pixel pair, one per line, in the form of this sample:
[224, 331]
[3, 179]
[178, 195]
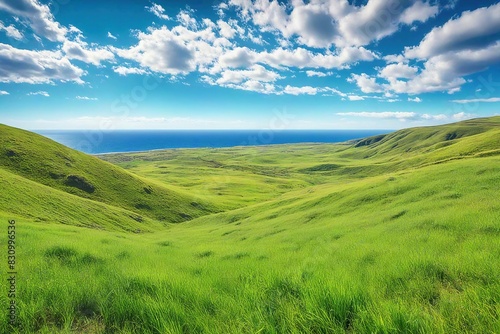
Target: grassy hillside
[46, 162]
[348, 238]
[26, 198]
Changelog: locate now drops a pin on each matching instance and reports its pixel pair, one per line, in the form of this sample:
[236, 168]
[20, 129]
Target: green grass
[313, 239]
[44, 161]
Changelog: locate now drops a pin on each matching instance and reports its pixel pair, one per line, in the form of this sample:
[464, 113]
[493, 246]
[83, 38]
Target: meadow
[391, 234]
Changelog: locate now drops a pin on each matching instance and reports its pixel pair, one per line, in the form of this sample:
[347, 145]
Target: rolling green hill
[391, 234]
[48, 163]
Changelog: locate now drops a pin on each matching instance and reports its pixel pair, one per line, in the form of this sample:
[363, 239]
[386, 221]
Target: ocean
[98, 142]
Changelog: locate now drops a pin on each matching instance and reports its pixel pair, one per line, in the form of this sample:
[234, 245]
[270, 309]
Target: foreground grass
[413, 251]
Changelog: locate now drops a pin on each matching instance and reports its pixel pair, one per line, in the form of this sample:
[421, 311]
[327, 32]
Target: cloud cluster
[38, 16]
[11, 31]
[463, 46]
[34, 67]
[158, 11]
[259, 45]
[46, 66]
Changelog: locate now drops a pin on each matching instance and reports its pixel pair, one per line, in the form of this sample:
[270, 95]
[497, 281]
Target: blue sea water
[97, 142]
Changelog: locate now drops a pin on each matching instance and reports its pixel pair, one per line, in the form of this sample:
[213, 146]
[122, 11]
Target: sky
[247, 64]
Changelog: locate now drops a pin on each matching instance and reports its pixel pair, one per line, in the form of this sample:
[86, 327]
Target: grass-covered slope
[46, 162]
[25, 198]
[350, 239]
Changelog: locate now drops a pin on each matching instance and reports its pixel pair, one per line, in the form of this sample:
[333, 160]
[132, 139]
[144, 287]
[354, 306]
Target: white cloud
[2, 92]
[489, 100]
[395, 59]
[469, 31]
[80, 50]
[110, 35]
[313, 24]
[416, 99]
[86, 98]
[355, 98]
[401, 115]
[318, 74]
[39, 17]
[440, 117]
[41, 93]
[420, 11]
[302, 58]
[445, 72]
[462, 116]
[300, 90]
[11, 31]
[399, 70]
[378, 19]
[185, 19]
[225, 29]
[237, 57]
[255, 72]
[122, 70]
[463, 46]
[335, 22]
[158, 10]
[26, 66]
[179, 50]
[366, 83]
[162, 51]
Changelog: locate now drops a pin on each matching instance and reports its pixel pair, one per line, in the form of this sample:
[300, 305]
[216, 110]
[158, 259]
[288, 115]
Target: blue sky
[247, 64]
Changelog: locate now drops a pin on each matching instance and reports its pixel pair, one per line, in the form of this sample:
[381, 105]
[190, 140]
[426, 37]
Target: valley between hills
[397, 233]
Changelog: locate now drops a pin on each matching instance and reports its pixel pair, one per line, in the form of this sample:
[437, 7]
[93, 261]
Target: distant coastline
[125, 141]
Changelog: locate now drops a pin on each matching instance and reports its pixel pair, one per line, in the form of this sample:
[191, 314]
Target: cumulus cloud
[366, 83]
[237, 57]
[416, 99]
[80, 50]
[472, 30]
[300, 90]
[318, 74]
[2, 92]
[445, 72]
[122, 70]
[11, 31]
[303, 58]
[162, 51]
[41, 93]
[110, 35]
[335, 22]
[26, 66]
[158, 10]
[397, 71]
[184, 18]
[380, 18]
[256, 72]
[225, 29]
[463, 46]
[38, 16]
[420, 11]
